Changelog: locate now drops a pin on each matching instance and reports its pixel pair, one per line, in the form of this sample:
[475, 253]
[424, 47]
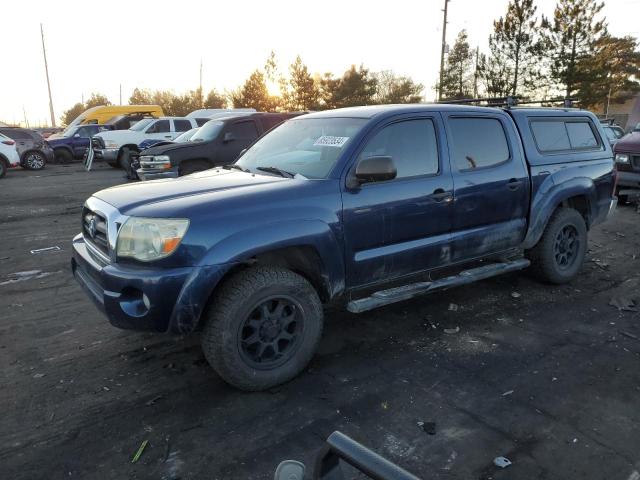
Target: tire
[243, 309]
[3, 168]
[63, 156]
[34, 160]
[193, 166]
[560, 252]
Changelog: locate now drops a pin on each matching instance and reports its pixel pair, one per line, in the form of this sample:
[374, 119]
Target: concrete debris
[501, 462]
[623, 304]
[453, 307]
[452, 331]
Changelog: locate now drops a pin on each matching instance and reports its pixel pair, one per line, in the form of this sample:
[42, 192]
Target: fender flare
[548, 200]
[244, 245]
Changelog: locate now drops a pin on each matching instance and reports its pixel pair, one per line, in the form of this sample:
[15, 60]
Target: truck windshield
[308, 146]
[142, 124]
[207, 132]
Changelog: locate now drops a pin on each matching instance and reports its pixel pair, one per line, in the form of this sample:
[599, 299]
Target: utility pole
[46, 69]
[120, 94]
[444, 46]
[200, 90]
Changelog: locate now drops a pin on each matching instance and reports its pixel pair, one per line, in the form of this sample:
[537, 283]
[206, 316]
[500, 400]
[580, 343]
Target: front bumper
[154, 174]
[106, 154]
[628, 179]
[145, 298]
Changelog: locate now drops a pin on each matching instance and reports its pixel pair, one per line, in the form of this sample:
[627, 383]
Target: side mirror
[77, 135]
[228, 137]
[375, 169]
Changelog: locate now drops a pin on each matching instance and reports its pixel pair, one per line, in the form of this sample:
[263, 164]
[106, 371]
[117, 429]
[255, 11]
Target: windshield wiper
[237, 167]
[277, 171]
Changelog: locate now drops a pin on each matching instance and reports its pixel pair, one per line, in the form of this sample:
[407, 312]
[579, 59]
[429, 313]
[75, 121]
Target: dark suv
[34, 150]
[218, 142]
[74, 141]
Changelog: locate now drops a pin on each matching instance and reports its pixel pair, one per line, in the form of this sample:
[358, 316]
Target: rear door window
[478, 142]
[182, 125]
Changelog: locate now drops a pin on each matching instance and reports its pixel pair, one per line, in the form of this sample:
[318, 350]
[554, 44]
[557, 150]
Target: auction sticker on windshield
[330, 141]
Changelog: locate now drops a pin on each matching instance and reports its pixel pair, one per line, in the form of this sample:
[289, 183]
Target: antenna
[46, 70]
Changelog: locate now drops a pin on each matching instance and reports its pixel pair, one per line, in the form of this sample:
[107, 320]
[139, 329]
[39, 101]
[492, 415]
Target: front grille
[94, 229]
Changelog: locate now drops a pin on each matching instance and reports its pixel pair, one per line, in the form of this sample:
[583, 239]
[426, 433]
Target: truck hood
[129, 196]
[170, 147]
[628, 144]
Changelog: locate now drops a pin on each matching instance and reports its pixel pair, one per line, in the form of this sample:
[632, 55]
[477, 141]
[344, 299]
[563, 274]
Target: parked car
[34, 151]
[125, 122]
[627, 155]
[111, 146]
[613, 133]
[218, 142]
[74, 142]
[360, 207]
[9, 157]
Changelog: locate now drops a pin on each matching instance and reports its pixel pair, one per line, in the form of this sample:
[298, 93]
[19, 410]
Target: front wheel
[3, 168]
[34, 160]
[560, 252]
[263, 328]
[63, 156]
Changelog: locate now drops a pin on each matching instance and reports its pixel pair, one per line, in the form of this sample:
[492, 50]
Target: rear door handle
[514, 184]
[440, 195]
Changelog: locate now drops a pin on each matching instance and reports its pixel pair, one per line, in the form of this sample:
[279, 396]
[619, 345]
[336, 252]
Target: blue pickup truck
[362, 207]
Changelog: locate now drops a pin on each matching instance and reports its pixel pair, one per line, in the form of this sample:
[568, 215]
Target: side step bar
[405, 292]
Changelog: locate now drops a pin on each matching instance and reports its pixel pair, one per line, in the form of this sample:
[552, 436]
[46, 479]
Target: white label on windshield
[329, 141]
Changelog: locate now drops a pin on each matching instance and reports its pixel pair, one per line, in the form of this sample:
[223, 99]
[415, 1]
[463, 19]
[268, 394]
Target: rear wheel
[559, 255]
[263, 328]
[34, 160]
[3, 168]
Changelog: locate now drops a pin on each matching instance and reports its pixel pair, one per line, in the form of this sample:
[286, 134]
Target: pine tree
[300, 92]
[253, 94]
[457, 81]
[516, 47]
[610, 74]
[570, 37]
[215, 100]
[355, 87]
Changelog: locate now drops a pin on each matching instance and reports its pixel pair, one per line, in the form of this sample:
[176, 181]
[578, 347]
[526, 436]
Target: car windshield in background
[142, 124]
[69, 131]
[186, 136]
[207, 132]
[308, 146]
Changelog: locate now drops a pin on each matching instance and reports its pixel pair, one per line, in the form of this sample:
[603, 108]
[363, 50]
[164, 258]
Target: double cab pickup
[361, 207]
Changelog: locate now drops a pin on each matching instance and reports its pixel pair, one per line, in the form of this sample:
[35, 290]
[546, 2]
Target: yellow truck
[103, 113]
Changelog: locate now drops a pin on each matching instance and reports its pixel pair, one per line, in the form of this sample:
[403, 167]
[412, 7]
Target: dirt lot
[546, 376]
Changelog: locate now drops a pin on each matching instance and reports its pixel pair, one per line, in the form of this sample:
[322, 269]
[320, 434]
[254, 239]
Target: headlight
[622, 158]
[110, 144]
[148, 239]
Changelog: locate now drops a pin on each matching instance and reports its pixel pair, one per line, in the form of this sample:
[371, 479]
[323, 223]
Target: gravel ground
[546, 376]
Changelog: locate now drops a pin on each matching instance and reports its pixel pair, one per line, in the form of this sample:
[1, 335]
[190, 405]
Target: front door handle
[167, 136]
[514, 184]
[441, 195]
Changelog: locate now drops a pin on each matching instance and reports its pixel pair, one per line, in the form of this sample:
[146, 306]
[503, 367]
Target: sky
[100, 46]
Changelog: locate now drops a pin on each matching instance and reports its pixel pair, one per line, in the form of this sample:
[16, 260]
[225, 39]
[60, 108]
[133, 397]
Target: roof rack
[510, 101]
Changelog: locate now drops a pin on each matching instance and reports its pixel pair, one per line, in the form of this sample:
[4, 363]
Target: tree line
[570, 55]
[298, 91]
